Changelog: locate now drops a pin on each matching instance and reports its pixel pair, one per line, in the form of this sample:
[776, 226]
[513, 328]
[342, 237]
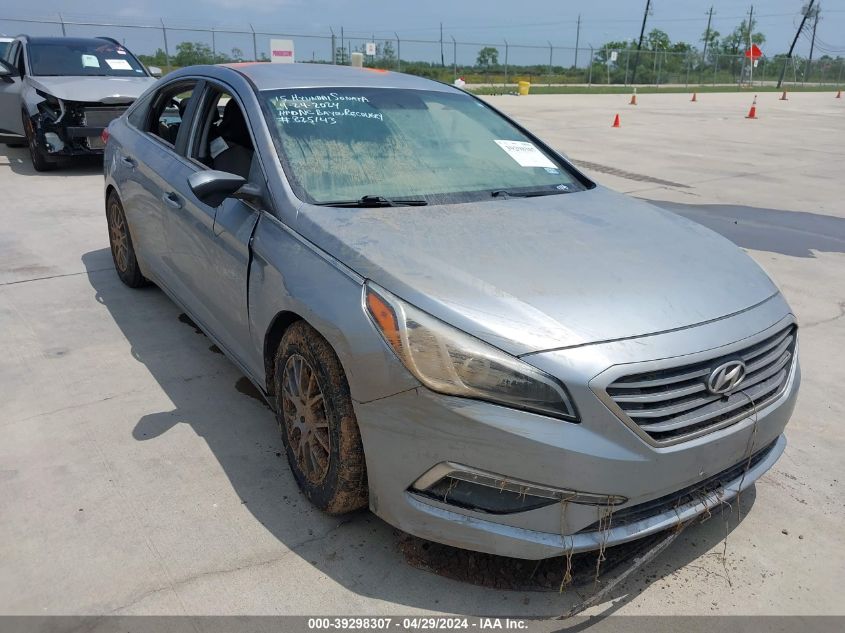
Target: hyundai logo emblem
[726, 377]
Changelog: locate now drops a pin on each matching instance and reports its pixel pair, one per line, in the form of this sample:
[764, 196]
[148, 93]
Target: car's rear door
[209, 246]
[145, 158]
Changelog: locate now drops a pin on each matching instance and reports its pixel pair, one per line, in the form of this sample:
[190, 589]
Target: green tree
[156, 59]
[237, 54]
[712, 41]
[191, 53]
[487, 56]
[388, 55]
[603, 53]
[737, 41]
[657, 40]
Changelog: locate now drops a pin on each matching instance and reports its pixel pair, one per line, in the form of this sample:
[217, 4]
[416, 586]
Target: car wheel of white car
[39, 161]
[317, 422]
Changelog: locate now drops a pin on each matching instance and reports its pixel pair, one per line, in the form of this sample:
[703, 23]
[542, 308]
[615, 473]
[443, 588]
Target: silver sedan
[454, 326]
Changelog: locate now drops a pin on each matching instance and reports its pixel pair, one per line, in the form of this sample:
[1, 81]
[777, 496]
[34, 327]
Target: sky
[530, 22]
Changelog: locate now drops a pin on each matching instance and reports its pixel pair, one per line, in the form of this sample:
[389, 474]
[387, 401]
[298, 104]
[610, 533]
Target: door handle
[128, 162]
[172, 200]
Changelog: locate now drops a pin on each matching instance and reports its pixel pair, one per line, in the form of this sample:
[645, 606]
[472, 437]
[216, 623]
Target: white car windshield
[344, 144]
[82, 58]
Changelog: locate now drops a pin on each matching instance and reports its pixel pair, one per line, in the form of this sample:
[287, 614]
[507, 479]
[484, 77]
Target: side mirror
[213, 187]
[6, 70]
[155, 71]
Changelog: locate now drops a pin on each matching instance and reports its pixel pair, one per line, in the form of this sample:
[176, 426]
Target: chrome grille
[673, 404]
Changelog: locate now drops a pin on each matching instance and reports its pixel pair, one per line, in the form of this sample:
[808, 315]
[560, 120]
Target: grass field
[597, 89]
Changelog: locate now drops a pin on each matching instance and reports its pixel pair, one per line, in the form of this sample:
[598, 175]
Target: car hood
[93, 89]
[533, 274]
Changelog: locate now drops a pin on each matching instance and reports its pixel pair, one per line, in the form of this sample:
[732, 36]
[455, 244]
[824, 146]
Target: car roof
[69, 40]
[270, 76]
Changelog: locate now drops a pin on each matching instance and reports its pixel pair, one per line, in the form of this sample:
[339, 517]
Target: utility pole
[812, 43]
[750, 44]
[255, 44]
[794, 41]
[166, 49]
[577, 39]
[442, 59]
[707, 34]
[640, 43]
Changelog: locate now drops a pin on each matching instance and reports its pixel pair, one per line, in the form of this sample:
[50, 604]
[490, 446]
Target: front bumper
[525, 543]
[72, 140]
[408, 434]
[72, 129]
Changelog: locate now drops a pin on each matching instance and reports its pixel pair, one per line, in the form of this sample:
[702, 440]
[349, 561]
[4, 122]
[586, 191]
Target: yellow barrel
[524, 88]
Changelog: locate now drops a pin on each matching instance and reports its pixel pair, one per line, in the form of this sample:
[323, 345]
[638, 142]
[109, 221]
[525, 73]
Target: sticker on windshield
[525, 153]
[323, 109]
[118, 64]
[90, 61]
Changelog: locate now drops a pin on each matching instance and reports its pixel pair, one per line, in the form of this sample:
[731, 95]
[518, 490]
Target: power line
[794, 41]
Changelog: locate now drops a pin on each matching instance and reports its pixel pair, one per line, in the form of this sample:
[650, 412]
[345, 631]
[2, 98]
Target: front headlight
[452, 362]
[52, 106]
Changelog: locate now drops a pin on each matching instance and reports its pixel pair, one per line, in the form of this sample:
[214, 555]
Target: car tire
[39, 161]
[120, 243]
[317, 422]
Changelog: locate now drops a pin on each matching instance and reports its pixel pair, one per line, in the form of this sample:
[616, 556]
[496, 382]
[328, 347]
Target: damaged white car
[58, 94]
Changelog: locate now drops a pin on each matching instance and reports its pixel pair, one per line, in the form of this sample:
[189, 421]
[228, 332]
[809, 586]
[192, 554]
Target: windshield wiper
[503, 193]
[376, 201]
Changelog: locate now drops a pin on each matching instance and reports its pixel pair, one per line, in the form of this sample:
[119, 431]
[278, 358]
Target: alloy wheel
[119, 239]
[304, 413]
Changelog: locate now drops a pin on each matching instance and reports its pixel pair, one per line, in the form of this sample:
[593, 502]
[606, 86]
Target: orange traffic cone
[783, 96]
[633, 100]
[694, 97]
[752, 113]
[616, 122]
[839, 95]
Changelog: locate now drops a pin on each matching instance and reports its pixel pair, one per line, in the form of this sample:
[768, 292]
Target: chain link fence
[173, 44]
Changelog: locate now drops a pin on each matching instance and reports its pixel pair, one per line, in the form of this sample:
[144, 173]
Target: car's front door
[11, 121]
[209, 246]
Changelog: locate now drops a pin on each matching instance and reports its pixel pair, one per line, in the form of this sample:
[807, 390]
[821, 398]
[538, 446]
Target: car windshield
[82, 58]
[346, 144]
[4, 46]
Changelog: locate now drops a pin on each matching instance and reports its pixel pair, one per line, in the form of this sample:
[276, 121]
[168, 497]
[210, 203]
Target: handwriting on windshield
[322, 109]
